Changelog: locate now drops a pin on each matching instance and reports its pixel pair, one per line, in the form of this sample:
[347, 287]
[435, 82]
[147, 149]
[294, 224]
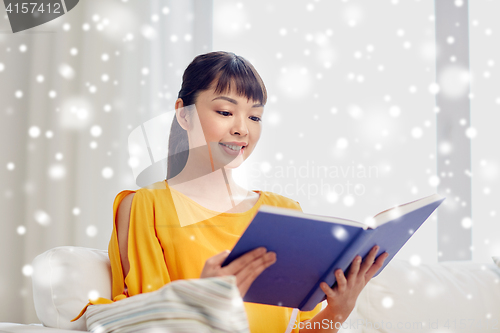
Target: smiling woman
[181, 228]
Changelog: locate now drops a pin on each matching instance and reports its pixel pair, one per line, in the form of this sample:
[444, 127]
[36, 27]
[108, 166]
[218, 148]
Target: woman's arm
[122, 224]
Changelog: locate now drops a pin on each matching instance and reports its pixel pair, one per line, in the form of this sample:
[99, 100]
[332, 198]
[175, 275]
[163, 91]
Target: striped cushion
[195, 305]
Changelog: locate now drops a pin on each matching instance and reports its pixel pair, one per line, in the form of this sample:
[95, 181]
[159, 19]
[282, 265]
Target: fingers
[246, 276]
[370, 258]
[238, 264]
[341, 280]
[246, 268]
[354, 269]
[251, 271]
[377, 265]
[326, 289]
[367, 268]
[219, 258]
[212, 265]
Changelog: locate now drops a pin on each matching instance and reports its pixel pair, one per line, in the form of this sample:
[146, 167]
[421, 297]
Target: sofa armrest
[64, 278]
[31, 328]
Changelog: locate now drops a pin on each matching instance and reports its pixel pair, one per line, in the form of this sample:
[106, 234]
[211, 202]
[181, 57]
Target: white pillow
[192, 305]
[63, 278]
[448, 296]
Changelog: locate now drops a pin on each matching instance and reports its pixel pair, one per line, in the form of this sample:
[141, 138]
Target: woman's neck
[199, 179]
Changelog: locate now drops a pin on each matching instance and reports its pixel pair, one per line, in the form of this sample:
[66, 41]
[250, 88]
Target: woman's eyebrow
[235, 102]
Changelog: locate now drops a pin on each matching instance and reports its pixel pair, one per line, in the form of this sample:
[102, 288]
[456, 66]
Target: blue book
[309, 248]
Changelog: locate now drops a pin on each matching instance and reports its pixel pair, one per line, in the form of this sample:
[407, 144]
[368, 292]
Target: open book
[309, 248]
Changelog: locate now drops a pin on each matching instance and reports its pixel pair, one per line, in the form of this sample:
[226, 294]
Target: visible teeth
[232, 147]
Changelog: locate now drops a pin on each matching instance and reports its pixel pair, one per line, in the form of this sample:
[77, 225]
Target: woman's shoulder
[144, 193]
[275, 199]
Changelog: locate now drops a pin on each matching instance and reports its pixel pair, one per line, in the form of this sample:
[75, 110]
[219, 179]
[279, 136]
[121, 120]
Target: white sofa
[454, 296]
[446, 297]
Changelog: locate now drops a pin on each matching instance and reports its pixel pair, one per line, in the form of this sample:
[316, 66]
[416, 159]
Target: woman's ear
[181, 114]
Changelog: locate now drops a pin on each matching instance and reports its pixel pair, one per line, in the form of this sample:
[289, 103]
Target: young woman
[180, 228]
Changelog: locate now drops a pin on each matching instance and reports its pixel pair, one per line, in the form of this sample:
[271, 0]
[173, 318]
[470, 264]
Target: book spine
[317, 295]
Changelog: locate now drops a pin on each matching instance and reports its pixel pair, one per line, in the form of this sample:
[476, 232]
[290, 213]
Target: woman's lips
[230, 151]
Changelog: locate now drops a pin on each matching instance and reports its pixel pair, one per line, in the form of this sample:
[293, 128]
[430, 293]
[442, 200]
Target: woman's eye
[227, 113]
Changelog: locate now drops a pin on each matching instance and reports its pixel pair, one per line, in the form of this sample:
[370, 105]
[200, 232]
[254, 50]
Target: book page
[323, 218]
[398, 211]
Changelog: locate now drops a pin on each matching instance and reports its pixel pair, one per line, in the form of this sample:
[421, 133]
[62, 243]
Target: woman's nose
[239, 126]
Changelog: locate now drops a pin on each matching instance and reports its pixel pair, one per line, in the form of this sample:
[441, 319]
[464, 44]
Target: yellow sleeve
[117, 286]
[148, 270]
[306, 315]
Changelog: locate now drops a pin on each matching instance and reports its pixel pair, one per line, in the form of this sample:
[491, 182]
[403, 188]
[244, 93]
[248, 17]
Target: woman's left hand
[342, 298]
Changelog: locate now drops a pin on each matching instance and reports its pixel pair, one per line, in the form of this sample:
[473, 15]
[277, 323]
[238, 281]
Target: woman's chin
[231, 164]
[228, 161]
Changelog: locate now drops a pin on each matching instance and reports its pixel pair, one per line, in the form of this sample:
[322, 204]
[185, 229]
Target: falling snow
[415, 260]
[340, 233]
[342, 143]
[34, 132]
[466, 223]
[387, 302]
[91, 231]
[66, 71]
[96, 131]
[107, 172]
[27, 270]
[93, 295]
[335, 98]
[21, 230]
[57, 171]
[42, 218]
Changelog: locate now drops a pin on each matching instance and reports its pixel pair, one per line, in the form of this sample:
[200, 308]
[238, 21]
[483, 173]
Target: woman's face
[226, 120]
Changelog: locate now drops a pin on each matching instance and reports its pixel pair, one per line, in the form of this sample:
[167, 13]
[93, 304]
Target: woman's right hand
[246, 268]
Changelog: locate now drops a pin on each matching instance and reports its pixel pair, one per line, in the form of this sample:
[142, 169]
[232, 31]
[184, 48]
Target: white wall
[485, 117]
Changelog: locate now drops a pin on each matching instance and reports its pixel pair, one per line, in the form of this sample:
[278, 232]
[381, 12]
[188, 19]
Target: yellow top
[161, 250]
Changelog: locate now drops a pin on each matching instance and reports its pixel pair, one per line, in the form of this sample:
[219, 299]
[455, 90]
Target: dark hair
[206, 69]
